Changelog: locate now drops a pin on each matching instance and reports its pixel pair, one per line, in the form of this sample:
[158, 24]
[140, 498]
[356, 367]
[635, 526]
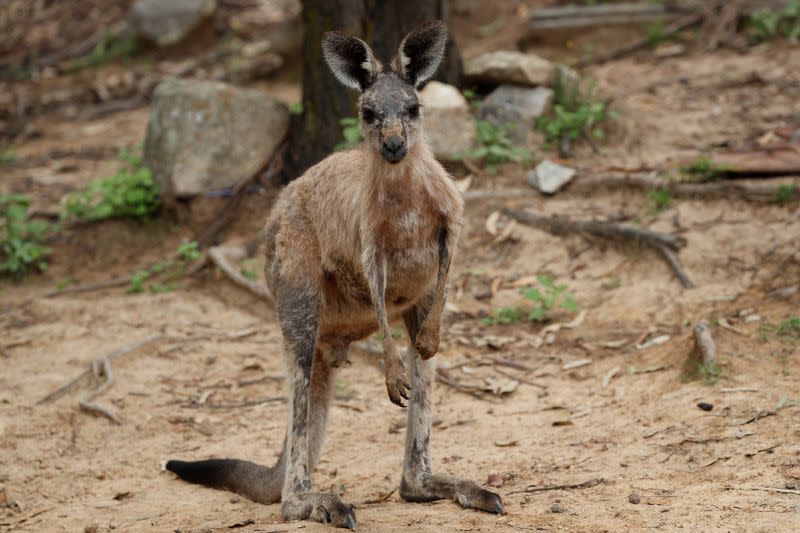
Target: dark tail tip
[212, 472]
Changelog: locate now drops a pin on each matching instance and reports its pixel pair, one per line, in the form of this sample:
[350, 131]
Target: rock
[167, 23]
[506, 66]
[705, 406]
[277, 21]
[518, 107]
[204, 136]
[549, 177]
[634, 498]
[558, 508]
[449, 123]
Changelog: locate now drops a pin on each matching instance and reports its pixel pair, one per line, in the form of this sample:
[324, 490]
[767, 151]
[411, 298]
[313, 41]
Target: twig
[519, 378]
[219, 256]
[382, 498]
[766, 489]
[585, 485]
[442, 377]
[660, 242]
[101, 369]
[705, 349]
[768, 192]
[637, 44]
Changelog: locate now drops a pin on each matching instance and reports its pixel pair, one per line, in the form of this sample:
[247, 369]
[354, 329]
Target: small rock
[518, 107]
[506, 66]
[167, 23]
[558, 508]
[549, 177]
[235, 499]
[705, 406]
[665, 50]
[495, 480]
[634, 498]
[204, 136]
[449, 123]
[91, 528]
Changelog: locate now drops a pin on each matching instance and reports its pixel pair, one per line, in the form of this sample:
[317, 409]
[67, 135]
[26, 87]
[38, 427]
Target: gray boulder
[167, 22]
[204, 136]
[449, 123]
[517, 107]
[549, 177]
[507, 66]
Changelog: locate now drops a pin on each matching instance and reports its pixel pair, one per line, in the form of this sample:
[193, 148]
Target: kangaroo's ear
[350, 59]
[421, 51]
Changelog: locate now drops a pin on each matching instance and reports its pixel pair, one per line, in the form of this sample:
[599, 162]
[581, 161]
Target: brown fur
[362, 238]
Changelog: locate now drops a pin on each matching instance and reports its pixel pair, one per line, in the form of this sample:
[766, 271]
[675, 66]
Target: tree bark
[382, 24]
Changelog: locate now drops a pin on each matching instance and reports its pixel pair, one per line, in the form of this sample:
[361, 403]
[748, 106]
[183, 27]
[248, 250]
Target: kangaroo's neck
[384, 179]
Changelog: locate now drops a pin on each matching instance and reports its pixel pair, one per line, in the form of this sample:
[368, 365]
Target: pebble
[558, 508]
[634, 498]
[705, 406]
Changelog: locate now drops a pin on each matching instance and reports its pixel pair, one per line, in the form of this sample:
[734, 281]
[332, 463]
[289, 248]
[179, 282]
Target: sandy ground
[636, 430]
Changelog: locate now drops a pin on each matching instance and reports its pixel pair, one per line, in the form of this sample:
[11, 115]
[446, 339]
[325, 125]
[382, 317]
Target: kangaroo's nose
[393, 144]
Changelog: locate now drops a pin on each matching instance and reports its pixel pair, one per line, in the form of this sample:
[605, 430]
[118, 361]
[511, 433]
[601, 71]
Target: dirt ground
[570, 419]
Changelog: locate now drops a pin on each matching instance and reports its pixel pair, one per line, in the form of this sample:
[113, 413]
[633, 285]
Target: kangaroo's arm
[427, 340]
[374, 265]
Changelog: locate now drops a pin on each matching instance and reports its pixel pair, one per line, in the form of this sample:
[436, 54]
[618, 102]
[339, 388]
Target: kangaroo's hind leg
[419, 483]
[298, 308]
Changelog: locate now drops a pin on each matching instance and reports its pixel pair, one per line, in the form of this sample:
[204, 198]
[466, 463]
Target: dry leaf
[463, 185]
[506, 443]
[492, 222]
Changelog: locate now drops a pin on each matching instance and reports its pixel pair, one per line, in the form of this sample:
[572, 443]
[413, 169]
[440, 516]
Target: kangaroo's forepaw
[397, 386]
[464, 492]
[427, 344]
[320, 506]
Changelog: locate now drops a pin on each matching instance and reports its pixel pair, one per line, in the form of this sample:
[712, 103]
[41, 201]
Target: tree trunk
[382, 24]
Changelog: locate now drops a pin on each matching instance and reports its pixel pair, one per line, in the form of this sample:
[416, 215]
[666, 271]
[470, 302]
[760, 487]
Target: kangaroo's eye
[368, 115]
[413, 111]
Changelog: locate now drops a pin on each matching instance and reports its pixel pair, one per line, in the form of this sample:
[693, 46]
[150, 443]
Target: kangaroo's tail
[259, 483]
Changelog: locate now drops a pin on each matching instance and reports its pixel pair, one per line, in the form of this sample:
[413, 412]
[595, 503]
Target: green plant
[21, 248]
[660, 199]
[708, 373]
[296, 108]
[654, 33]
[7, 156]
[351, 133]
[110, 48]
[496, 147]
[575, 112]
[131, 192]
[703, 169]
[767, 24]
[168, 270]
[786, 193]
[545, 299]
[472, 97]
[247, 268]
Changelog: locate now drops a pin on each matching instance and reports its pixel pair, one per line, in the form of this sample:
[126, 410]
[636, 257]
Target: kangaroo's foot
[320, 506]
[429, 487]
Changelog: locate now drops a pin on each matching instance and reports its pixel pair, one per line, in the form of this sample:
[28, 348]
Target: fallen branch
[100, 369]
[585, 485]
[770, 192]
[767, 489]
[219, 255]
[664, 244]
[643, 42]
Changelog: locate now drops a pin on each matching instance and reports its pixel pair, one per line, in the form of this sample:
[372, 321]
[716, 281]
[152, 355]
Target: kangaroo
[363, 237]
